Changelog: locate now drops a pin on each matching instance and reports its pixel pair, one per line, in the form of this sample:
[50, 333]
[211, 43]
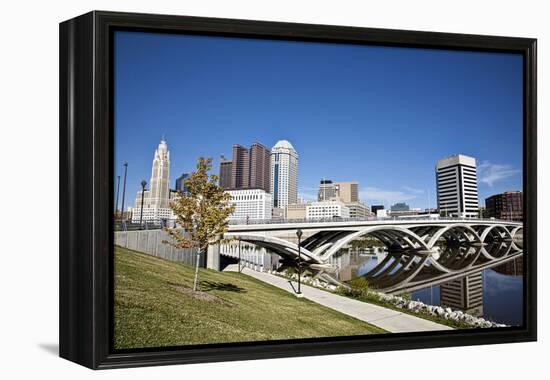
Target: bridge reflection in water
[448, 253]
[418, 253]
[398, 271]
[495, 292]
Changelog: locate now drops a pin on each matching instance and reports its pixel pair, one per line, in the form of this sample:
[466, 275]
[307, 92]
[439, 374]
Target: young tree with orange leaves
[202, 212]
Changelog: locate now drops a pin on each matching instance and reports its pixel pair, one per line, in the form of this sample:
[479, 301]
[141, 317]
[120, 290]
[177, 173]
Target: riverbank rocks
[437, 311]
[417, 307]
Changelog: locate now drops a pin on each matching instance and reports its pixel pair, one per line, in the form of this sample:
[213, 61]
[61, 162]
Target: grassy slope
[152, 311]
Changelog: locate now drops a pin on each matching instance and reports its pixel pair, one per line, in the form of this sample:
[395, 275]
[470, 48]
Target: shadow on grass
[207, 286]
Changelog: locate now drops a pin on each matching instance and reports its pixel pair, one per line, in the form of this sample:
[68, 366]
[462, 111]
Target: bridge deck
[277, 225]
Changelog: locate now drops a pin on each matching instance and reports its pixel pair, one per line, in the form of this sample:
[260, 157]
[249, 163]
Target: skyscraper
[226, 167]
[160, 177]
[180, 183]
[156, 200]
[260, 167]
[249, 168]
[240, 169]
[456, 178]
[284, 174]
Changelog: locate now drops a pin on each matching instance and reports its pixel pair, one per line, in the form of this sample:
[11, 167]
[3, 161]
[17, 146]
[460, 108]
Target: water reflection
[492, 292]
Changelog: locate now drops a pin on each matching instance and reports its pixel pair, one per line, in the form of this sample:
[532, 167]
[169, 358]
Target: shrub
[359, 287]
[406, 296]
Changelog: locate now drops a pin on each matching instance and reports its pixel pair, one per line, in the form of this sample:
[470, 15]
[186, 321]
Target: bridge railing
[363, 219]
[155, 224]
[161, 223]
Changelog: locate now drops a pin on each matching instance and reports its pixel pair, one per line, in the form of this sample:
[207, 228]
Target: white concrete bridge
[419, 250]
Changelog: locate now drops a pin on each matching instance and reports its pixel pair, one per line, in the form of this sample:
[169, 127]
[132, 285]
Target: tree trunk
[195, 282]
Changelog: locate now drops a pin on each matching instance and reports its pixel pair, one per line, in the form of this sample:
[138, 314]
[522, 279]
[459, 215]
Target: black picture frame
[86, 185]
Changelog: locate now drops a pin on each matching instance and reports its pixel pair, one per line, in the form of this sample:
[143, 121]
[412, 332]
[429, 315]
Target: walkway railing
[157, 224]
[364, 219]
[162, 223]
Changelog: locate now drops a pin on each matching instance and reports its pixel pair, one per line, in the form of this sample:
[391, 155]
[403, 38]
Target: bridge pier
[213, 257]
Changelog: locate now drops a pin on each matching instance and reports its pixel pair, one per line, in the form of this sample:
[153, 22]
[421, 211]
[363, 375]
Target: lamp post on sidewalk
[124, 191]
[299, 234]
[143, 184]
[239, 254]
[117, 191]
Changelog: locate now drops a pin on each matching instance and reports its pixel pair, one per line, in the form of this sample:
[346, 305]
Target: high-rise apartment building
[284, 174]
[506, 206]
[456, 178]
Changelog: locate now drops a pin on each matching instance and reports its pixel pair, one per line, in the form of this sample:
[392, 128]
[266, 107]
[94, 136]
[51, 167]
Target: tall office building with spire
[156, 200]
[284, 174]
[160, 177]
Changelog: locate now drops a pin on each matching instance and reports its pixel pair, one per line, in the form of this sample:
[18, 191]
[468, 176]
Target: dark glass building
[226, 167]
[180, 183]
[505, 206]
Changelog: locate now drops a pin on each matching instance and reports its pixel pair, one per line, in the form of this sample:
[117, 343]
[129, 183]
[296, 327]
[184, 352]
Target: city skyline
[387, 141]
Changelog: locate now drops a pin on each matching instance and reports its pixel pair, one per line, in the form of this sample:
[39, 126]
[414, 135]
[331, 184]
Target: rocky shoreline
[413, 306]
[438, 311]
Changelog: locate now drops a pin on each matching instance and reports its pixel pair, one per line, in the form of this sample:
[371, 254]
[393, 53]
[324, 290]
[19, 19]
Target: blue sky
[381, 116]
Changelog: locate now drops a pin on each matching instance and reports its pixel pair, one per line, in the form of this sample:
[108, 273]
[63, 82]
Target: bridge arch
[499, 229]
[453, 229]
[386, 234]
[515, 242]
[279, 246]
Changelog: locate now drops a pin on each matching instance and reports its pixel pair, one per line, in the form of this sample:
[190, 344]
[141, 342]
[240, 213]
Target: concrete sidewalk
[388, 319]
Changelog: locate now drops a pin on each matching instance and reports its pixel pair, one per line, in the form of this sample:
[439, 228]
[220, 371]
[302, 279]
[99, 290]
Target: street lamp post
[239, 255]
[299, 234]
[143, 184]
[117, 192]
[123, 190]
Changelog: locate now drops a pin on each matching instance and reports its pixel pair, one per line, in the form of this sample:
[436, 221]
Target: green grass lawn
[155, 306]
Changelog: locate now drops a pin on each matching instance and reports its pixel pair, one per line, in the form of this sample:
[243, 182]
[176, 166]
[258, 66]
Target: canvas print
[272, 190]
